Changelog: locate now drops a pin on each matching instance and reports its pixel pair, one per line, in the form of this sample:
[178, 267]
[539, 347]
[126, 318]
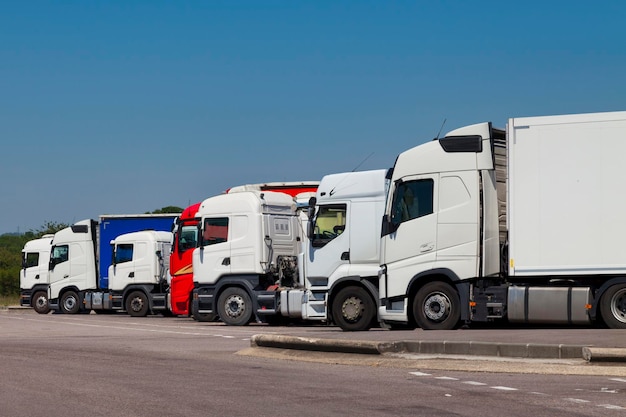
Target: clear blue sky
[120, 107]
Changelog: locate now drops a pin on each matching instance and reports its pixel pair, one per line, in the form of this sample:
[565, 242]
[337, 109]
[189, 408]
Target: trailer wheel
[40, 302]
[353, 309]
[234, 306]
[70, 303]
[137, 304]
[613, 306]
[437, 307]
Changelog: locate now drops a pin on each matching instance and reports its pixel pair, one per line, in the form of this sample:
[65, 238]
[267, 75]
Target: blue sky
[121, 107]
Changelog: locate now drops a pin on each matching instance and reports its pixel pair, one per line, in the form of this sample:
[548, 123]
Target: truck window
[330, 222]
[123, 253]
[30, 259]
[60, 254]
[188, 238]
[215, 231]
[412, 199]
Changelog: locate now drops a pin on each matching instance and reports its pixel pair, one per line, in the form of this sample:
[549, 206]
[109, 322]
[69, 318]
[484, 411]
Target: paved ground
[594, 344]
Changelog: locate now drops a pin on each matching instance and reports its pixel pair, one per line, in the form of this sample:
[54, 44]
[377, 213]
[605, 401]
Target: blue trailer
[111, 226]
[82, 257]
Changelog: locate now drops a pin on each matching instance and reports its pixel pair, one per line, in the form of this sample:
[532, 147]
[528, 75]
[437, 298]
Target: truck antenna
[355, 168]
[362, 162]
[441, 128]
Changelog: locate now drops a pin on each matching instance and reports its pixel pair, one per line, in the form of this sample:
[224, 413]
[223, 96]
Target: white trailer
[523, 224]
[256, 261]
[34, 274]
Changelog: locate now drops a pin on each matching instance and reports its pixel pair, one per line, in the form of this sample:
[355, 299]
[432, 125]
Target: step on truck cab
[34, 274]
[522, 224]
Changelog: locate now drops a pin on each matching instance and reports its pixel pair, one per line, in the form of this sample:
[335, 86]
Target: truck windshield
[188, 238]
[330, 222]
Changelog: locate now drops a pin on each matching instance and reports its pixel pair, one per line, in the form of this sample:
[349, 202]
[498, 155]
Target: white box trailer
[522, 224]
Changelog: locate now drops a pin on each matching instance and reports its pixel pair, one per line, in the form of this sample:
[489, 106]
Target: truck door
[122, 272]
[59, 263]
[329, 246]
[213, 257]
[411, 248]
[33, 271]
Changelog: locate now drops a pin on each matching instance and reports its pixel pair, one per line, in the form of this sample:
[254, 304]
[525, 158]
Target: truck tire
[613, 307]
[234, 306]
[137, 304]
[353, 309]
[40, 302]
[69, 303]
[436, 307]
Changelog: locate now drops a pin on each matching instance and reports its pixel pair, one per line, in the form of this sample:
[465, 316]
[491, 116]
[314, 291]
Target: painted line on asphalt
[577, 400]
[511, 389]
[478, 384]
[100, 326]
[611, 407]
[501, 388]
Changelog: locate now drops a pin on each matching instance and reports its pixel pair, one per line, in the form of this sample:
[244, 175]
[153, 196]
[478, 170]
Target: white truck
[256, 261]
[524, 224]
[135, 266]
[34, 274]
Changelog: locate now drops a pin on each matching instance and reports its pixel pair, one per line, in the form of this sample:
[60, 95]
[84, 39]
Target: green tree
[166, 210]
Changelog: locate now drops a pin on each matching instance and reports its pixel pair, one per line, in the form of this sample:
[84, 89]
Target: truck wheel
[40, 302]
[613, 306]
[70, 303]
[235, 307]
[137, 304]
[353, 309]
[201, 317]
[437, 307]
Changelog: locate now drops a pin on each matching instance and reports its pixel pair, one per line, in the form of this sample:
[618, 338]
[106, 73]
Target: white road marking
[474, 383]
[446, 378]
[419, 374]
[577, 400]
[611, 407]
[504, 388]
[617, 379]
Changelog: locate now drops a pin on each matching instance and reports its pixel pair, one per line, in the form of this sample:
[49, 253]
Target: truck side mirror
[310, 212]
[388, 226]
[310, 233]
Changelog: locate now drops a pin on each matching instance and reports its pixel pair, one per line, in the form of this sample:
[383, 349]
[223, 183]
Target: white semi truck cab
[257, 261]
[523, 224]
[34, 274]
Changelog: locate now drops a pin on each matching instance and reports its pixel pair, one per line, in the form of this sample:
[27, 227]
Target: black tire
[353, 309]
[234, 306]
[137, 304]
[69, 303]
[613, 307]
[40, 302]
[437, 307]
[201, 317]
